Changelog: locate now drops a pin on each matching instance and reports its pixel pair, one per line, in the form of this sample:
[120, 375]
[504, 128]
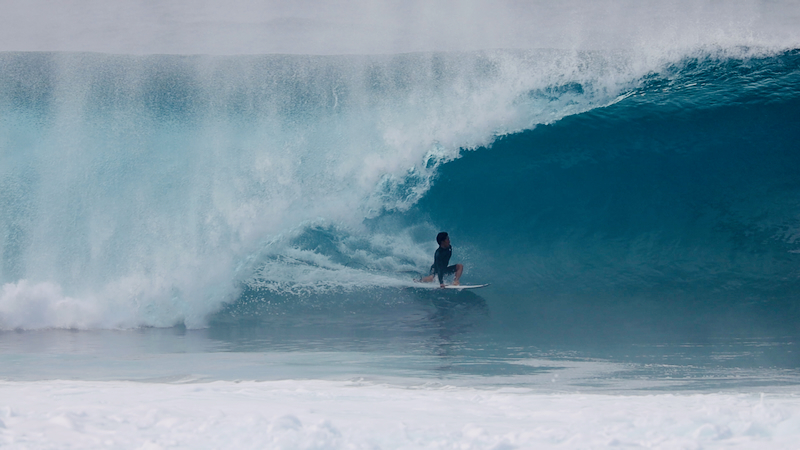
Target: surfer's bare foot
[456, 283]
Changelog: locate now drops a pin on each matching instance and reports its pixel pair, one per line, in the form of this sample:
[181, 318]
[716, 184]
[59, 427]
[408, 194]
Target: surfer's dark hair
[441, 237]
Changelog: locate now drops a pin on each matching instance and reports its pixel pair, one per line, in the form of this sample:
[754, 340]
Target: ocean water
[218, 249]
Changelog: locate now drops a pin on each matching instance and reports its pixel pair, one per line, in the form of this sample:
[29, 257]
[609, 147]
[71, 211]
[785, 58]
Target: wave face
[689, 181]
[156, 190]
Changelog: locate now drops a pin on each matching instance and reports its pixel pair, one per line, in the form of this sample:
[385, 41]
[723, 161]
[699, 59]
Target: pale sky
[388, 26]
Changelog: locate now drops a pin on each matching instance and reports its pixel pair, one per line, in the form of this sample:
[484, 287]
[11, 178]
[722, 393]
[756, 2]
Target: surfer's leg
[430, 277]
[454, 269]
[459, 269]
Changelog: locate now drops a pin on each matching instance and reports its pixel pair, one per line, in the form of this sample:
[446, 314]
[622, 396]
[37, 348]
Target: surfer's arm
[440, 260]
[441, 267]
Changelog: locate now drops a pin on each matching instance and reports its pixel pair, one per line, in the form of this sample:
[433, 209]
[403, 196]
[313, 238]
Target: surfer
[441, 259]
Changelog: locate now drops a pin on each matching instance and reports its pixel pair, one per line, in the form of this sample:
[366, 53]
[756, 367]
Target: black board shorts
[449, 270]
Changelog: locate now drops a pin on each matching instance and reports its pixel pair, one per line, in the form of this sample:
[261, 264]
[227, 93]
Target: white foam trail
[123, 303]
[24, 305]
[355, 260]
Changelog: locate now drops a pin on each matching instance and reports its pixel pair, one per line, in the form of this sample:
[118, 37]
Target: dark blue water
[673, 211]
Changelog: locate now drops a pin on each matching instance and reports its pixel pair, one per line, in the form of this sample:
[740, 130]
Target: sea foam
[358, 414]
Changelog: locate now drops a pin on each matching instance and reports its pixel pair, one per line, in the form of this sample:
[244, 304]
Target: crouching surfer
[441, 259]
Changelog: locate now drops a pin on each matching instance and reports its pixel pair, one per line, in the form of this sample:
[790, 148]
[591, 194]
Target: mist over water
[387, 27]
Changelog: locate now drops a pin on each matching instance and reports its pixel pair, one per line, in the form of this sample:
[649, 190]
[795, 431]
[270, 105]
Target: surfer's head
[441, 237]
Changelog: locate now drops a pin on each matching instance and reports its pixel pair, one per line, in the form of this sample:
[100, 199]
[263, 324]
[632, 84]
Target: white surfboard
[450, 286]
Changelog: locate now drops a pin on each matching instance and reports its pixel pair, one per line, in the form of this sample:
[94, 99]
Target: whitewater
[212, 217]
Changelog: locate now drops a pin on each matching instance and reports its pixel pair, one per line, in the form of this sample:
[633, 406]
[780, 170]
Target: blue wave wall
[680, 201]
[695, 183]
[156, 190]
